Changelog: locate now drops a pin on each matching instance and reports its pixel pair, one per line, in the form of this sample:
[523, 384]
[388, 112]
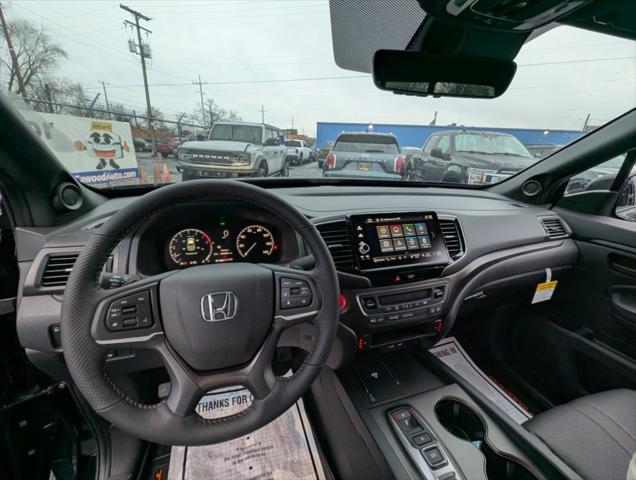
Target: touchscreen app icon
[386, 246]
[399, 244]
[409, 229]
[396, 231]
[412, 244]
[420, 229]
[383, 231]
[424, 242]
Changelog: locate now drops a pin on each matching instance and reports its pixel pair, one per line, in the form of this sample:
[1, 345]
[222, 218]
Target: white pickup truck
[297, 152]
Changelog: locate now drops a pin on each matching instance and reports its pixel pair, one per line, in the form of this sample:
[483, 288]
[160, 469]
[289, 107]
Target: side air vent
[57, 269]
[338, 239]
[452, 237]
[554, 228]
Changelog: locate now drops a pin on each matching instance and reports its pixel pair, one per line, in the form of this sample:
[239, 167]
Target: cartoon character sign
[104, 145]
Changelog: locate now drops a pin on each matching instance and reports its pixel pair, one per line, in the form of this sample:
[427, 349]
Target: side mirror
[626, 205]
[437, 153]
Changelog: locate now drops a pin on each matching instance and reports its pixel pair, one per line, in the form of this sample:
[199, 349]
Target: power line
[575, 61]
[282, 80]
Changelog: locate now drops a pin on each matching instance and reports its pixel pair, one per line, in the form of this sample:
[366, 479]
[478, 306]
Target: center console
[402, 255]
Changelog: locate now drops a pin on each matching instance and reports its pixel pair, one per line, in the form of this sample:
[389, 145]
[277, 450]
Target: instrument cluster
[222, 241]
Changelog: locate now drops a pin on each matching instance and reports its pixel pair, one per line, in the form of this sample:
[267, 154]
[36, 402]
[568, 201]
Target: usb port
[128, 309]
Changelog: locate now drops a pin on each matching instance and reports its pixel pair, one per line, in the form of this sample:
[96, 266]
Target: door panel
[599, 298]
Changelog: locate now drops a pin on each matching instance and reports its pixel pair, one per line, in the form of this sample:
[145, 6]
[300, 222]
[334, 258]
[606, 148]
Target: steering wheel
[212, 325]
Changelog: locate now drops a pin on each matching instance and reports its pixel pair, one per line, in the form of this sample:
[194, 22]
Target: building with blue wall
[416, 135]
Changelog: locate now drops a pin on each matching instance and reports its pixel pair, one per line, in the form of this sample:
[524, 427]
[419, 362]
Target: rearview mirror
[414, 73]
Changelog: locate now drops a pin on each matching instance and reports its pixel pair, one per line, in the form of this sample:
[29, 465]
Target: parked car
[164, 148]
[469, 156]
[322, 153]
[409, 153]
[365, 155]
[235, 149]
[297, 152]
[142, 145]
[542, 150]
[175, 143]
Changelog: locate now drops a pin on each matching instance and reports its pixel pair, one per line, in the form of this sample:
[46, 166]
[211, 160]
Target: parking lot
[149, 164]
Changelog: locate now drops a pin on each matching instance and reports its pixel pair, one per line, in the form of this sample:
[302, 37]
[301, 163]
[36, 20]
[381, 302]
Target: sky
[244, 48]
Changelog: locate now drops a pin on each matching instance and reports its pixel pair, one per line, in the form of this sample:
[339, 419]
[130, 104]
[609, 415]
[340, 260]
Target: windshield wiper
[374, 151]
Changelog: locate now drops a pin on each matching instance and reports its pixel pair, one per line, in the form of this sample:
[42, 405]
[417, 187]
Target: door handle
[622, 264]
[623, 304]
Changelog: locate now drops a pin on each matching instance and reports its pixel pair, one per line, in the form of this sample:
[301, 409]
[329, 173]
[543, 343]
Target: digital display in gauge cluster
[223, 241]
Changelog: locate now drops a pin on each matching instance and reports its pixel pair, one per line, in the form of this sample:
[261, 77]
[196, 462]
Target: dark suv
[468, 156]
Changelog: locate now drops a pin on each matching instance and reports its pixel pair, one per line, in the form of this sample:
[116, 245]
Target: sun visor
[359, 28]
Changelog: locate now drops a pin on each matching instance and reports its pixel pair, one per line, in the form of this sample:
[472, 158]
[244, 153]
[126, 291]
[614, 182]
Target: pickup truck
[297, 152]
[365, 155]
[235, 149]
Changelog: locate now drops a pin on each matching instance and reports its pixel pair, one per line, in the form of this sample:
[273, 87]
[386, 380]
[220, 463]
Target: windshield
[366, 144]
[236, 133]
[490, 144]
[216, 89]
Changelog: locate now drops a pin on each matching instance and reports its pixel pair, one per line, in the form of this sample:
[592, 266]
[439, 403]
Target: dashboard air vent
[452, 237]
[338, 239]
[554, 228]
[57, 269]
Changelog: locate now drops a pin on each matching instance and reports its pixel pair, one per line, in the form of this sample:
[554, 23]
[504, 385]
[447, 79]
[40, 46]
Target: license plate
[363, 167]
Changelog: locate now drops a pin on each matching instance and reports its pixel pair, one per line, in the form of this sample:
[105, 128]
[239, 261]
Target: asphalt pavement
[149, 164]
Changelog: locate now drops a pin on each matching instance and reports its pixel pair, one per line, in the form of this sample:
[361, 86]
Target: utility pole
[139, 28]
[14, 59]
[200, 83]
[106, 100]
[90, 107]
[587, 119]
[47, 93]
[292, 122]
[262, 114]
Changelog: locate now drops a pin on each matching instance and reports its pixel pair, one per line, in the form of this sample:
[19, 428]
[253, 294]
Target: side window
[431, 144]
[444, 144]
[601, 178]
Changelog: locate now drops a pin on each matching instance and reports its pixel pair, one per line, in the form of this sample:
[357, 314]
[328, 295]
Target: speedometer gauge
[190, 247]
[255, 242]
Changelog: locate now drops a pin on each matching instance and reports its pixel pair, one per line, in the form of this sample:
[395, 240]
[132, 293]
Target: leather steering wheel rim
[172, 421]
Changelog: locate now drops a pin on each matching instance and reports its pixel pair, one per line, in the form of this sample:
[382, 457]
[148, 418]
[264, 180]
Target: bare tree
[36, 52]
[212, 112]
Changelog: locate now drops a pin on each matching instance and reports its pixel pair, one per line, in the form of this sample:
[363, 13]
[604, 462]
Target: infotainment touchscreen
[388, 240]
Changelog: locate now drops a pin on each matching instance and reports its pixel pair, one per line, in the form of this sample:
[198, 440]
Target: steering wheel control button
[130, 312]
[294, 293]
[433, 457]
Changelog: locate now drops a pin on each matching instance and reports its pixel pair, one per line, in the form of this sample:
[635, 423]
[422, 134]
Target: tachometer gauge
[190, 247]
[255, 242]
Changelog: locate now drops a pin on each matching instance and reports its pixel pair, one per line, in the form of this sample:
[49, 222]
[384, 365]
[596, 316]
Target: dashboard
[408, 259]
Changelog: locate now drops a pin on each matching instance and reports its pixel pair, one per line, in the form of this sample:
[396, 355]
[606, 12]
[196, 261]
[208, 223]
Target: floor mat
[450, 351]
[284, 449]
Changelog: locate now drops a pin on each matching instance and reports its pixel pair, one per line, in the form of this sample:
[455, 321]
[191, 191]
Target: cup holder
[466, 424]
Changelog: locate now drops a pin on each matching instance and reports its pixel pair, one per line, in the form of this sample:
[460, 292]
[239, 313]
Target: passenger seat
[595, 435]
